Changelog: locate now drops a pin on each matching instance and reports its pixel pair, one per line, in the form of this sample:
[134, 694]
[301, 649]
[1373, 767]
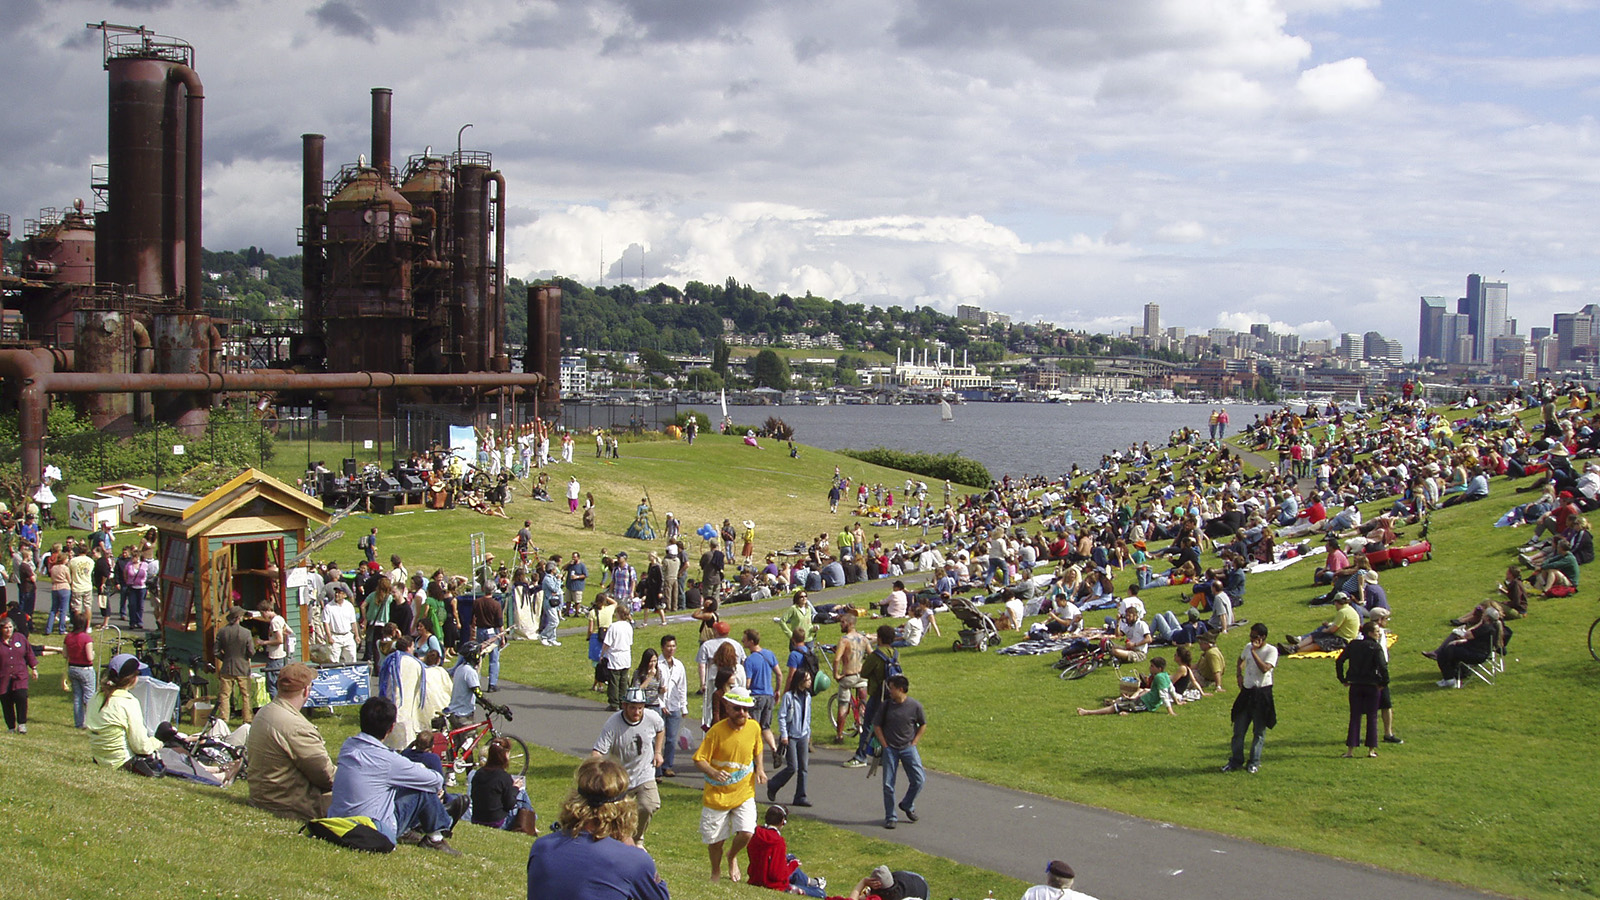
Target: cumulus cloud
[1339, 87]
[1068, 160]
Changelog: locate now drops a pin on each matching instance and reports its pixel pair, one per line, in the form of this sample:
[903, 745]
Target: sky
[1314, 164]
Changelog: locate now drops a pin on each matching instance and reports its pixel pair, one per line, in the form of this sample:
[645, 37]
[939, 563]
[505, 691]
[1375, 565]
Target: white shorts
[720, 824]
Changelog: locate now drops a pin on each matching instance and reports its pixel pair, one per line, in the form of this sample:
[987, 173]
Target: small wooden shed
[230, 546]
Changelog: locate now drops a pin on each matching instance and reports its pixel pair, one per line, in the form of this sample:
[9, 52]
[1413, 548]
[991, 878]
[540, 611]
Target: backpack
[891, 668]
[352, 833]
[364, 542]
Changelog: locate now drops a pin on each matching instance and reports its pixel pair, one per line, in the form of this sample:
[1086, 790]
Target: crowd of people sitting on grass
[1187, 515]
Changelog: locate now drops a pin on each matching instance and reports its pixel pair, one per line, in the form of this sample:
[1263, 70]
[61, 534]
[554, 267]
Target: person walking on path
[730, 760]
[1253, 707]
[634, 737]
[899, 726]
[673, 689]
[794, 738]
[235, 645]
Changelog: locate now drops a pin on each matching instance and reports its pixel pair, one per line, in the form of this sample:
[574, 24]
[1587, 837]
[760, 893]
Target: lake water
[1015, 438]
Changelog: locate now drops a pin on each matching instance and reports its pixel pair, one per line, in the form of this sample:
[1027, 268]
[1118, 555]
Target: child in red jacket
[771, 866]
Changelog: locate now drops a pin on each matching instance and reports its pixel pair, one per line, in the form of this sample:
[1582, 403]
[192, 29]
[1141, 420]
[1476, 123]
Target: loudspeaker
[350, 468]
[390, 485]
[326, 485]
[383, 504]
[409, 481]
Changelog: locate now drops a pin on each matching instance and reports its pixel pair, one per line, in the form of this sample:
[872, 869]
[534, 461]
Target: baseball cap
[122, 665]
[1059, 869]
[884, 876]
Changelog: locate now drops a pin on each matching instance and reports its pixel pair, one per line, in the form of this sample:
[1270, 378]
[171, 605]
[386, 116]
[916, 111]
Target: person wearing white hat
[730, 759]
[747, 553]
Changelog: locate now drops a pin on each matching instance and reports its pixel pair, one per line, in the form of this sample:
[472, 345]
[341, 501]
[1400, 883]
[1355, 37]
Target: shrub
[682, 420]
[952, 466]
[778, 429]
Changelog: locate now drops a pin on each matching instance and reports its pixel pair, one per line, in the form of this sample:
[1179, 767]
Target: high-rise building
[1352, 346]
[1378, 349]
[1152, 319]
[1574, 336]
[1430, 337]
[1486, 306]
[1455, 338]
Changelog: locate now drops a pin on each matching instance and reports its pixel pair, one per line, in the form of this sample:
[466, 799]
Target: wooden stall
[228, 547]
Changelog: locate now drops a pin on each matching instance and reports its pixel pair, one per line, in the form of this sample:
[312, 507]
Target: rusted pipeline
[192, 185]
[87, 382]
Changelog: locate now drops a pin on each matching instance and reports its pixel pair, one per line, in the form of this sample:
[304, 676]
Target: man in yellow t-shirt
[730, 760]
[1333, 634]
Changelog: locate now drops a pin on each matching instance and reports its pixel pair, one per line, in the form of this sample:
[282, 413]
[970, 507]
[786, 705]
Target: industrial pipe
[144, 362]
[381, 100]
[34, 372]
[493, 338]
[311, 173]
[192, 185]
[119, 382]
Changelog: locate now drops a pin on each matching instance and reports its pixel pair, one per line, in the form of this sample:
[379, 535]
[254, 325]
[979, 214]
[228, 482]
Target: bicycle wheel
[1594, 644]
[517, 753]
[1079, 668]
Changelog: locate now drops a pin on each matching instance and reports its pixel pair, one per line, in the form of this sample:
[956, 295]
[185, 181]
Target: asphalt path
[1118, 857]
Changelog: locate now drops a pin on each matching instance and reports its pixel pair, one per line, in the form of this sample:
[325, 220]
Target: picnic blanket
[1284, 563]
[1389, 639]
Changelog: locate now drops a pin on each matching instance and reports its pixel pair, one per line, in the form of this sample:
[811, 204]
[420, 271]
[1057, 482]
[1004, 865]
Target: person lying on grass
[1142, 699]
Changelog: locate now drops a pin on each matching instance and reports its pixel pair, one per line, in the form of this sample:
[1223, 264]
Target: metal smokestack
[381, 100]
[311, 215]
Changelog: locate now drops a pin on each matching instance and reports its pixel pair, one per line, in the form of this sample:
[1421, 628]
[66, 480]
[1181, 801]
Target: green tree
[719, 358]
[771, 371]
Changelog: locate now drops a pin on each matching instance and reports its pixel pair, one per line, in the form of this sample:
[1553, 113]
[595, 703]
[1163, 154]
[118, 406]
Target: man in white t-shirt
[635, 737]
[617, 649]
[1058, 884]
[1254, 704]
[277, 648]
[340, 617]
[672, 681]
[1135, 637]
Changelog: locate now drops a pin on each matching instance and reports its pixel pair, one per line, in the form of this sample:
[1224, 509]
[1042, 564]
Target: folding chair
[1488, 670]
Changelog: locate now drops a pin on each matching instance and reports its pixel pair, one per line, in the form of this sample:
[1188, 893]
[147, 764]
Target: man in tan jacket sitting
[291, 775]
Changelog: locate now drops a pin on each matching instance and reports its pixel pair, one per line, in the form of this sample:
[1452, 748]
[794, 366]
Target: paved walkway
[1119, 857]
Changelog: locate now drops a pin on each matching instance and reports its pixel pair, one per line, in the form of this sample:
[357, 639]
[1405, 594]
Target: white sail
[724, 398]
[945, 413]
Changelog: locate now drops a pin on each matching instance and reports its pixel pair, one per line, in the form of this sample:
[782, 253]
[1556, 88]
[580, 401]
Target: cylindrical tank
[104, 342]
[366, 301]
[471, 273]
[310, 346]
[544, 339]
[182, 346]
[429, 189]
[142, 239]
[382, 99]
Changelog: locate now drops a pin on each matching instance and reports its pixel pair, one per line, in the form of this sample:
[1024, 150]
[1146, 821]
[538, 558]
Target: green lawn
[1481, 794]
[76, 830]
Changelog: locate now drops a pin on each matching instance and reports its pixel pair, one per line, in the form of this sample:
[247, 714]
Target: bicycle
[1594, 644]
[845, 703]
[1086, 660]
[467, 747]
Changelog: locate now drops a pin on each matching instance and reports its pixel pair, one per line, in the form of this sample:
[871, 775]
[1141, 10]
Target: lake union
[1015, 438]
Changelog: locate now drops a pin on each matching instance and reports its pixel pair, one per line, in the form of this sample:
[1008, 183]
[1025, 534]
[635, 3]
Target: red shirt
[769, 865]
[78, 644]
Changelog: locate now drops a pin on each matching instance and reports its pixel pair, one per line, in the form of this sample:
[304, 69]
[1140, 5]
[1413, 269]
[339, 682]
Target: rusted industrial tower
[404, 270]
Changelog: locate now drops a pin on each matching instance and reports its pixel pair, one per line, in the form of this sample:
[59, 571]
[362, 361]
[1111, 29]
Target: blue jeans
[484, 634]
[420, 811]
[274, 666]
[59, 603]
[669, 748]
[82, 679]
[551, 620]
[868, 715]
[892, 758]
[1241, 723]
[795, 765]
[136, 608]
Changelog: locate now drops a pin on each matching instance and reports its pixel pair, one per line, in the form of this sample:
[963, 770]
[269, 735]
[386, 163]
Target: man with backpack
[876, 668]
[368, 544]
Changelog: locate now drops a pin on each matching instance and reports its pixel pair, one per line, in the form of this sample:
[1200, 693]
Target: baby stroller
[980, 633]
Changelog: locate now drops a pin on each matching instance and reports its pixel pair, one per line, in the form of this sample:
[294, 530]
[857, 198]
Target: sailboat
[945, 413]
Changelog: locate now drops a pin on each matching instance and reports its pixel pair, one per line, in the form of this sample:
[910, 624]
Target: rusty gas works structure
[404, 277]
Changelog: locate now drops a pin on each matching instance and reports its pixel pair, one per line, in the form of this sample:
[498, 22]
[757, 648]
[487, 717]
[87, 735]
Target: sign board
[340, 686]
[87, 513]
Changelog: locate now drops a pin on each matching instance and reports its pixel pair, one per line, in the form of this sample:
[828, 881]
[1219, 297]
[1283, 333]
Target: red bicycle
[464, 749]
